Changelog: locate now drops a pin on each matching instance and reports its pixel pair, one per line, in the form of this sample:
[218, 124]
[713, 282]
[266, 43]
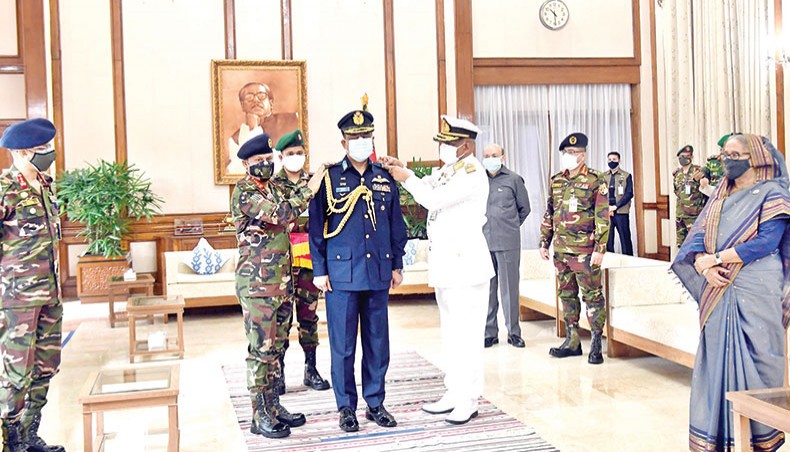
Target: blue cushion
[411, 252]
[205, 260]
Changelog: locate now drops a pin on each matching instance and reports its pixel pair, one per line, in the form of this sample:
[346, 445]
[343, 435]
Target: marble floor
[635, 404]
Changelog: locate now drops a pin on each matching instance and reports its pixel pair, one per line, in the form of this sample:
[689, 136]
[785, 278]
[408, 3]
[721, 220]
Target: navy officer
[357, 240]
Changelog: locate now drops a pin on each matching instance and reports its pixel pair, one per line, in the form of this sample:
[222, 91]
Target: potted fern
[104, 198]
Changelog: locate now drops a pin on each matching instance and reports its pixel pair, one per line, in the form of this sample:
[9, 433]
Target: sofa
[415, 270]
[218, 289]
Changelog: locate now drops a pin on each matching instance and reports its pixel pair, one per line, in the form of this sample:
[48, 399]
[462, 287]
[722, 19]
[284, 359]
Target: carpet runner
[411, 382]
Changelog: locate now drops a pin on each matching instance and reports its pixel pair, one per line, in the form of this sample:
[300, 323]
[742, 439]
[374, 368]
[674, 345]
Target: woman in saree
[736, 264]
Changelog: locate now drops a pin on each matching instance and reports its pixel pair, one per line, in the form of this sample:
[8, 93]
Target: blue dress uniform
[357, 238]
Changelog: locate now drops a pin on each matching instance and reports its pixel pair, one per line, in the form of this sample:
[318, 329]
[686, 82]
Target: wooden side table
[120, 288]
[139, 307]
[767, 406]
[112, 390]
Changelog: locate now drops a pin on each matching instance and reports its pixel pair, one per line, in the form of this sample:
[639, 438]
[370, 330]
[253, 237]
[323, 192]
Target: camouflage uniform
[31, 313]
[263, 279]
[576, 236]
[713, 171]
[305, 297]
[690, 201]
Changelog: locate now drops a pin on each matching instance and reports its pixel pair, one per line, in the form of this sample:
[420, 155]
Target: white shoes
[463, 413]
[441, 406]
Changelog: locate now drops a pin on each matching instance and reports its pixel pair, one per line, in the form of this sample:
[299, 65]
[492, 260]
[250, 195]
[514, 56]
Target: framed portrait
[250, 98]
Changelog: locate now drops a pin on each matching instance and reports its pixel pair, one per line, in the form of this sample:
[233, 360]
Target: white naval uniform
[459, 268]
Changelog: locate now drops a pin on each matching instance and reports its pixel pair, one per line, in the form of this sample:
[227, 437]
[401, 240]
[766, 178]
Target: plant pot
[93, 273]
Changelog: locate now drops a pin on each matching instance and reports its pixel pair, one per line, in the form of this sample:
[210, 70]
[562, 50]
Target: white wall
[8, 31]
[86, 62]
[168, 47]
[258, 30]
[12, 92]
[512, 28]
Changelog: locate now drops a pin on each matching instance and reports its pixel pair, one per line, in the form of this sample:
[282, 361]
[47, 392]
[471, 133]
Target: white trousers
[462, 312]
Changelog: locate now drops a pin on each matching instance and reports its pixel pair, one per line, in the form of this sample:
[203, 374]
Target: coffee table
[767, 406]
[141, 307]
[121, 389]
[119, 288]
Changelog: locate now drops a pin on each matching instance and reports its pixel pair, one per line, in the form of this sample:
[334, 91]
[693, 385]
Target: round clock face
[554, 14]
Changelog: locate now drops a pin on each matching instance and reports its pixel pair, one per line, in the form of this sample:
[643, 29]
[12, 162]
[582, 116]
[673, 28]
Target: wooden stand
[95, 400]
[138, 307]
[766, 406]
[123, 288]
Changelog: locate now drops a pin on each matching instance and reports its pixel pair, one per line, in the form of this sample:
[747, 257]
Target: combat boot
[595, 357]
[263, 421]
[312, 379]
[279, 384]
[30, 436]
[281, 413]
[12, 437]
[572, 345]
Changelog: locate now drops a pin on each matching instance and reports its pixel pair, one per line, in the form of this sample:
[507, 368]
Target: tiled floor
[638, 404]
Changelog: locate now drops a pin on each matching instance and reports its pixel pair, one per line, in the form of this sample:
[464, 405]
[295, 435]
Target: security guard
[460, 267]
[357, 240]
[290, 177]
[621, 192]
[263, 278]
[690, 200]
[31, 313]
[714, 170]
[577, 220]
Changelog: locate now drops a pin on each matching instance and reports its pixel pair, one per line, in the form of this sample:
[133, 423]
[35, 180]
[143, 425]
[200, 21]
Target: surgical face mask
[294, 163]
[360, 149]
[447, 153]
[684, 161]
[262, 170]
[613, 165]
[735, 168]
[568, 161]
[492, 164]
[42, 160]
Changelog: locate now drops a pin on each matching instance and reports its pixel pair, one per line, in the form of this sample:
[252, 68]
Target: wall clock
[554, 14]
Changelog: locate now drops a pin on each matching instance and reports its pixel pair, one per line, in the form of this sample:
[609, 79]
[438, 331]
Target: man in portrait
[259, 116]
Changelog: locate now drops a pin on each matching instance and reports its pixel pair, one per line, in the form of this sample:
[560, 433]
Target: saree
[742, 324]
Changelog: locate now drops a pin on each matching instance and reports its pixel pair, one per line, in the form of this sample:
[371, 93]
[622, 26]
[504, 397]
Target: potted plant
[104, 198]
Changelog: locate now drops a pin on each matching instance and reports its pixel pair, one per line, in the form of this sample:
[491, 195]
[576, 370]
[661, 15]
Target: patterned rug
[411, 382]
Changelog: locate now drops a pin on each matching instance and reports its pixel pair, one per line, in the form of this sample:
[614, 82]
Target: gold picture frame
[252, 97]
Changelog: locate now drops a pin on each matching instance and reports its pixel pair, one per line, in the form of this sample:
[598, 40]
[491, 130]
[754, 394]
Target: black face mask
[613, 165]
[261, 170]
[735, 168]
[684, 161]
[43, 160]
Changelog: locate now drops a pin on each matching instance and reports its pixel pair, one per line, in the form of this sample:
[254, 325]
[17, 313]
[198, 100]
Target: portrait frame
[284, 83]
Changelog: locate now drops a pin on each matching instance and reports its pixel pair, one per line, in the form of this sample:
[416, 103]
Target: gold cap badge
[572, 141]
[299, 136]
[270, 142]
[358, 118]
[445, 126]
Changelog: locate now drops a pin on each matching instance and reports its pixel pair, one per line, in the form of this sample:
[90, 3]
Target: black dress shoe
[489, 341]
[381, 416]
[348, 420]
[516, 341]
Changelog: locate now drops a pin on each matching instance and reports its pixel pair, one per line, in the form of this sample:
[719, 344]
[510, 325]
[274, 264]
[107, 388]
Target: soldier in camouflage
[714, 170]
[31, 313]
[690, 200]
[263, 278]
[305, 299]
[577, 220]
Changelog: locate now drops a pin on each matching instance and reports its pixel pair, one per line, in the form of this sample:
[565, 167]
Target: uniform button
[368, 255]
[362, 180]
[367, 236]
[23, 194]
[382, 207]
[388, 256]
[366, 216]
[32, 210]
[338, 257]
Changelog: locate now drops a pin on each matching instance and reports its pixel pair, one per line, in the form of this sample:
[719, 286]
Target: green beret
[686, 148]
[724, 139]
[290, 140]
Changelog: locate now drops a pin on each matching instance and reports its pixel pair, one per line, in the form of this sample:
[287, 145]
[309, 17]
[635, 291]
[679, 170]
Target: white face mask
[360, 149]
[492, 164]
[568, 161]
[294, 163]
[447, 154]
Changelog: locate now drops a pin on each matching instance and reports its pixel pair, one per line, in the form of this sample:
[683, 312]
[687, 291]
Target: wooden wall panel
[389, 77]
[287, 30]
[230, 29]
[34, 55]
[441, 59]
[780, 80]
[464, 61]
[119, 96]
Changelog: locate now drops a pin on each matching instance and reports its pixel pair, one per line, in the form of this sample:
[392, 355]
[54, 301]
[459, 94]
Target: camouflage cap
[290, 140]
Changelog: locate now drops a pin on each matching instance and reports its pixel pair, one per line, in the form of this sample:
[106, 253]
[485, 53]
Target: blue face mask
[492, 164]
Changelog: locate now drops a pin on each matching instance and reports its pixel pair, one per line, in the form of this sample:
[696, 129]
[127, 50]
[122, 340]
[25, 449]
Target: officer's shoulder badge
[470, 168]
[603, 189]
[458, 166]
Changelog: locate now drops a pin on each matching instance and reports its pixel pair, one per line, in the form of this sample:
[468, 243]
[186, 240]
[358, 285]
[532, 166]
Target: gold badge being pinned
[359, 118]
[445, 126]
[572, 140]
[470, 168]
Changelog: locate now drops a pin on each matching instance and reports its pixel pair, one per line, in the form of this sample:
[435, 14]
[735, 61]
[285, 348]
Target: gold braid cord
[346, 204]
